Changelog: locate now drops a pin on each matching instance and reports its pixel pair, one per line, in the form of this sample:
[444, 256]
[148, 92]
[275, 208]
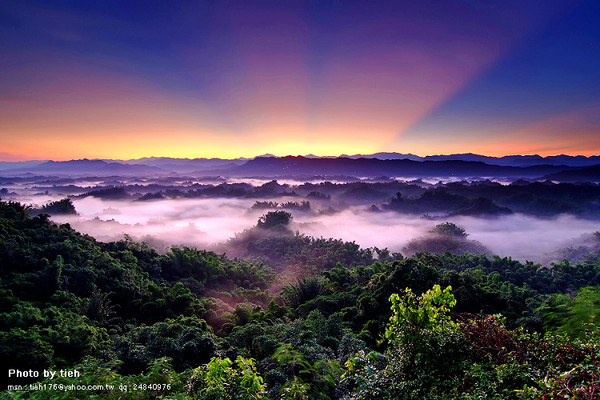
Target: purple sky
[129, 79]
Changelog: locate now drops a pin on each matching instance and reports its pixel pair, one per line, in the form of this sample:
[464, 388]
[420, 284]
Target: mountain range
[561, 167]
[507, 161]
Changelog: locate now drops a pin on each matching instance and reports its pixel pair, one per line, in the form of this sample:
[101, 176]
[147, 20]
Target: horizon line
[310, 155]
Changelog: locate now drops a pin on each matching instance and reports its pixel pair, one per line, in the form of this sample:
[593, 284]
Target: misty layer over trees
[328, 288]
[381, 212]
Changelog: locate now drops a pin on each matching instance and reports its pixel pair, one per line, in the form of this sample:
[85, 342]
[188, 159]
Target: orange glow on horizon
[117, 118]
[141, 147]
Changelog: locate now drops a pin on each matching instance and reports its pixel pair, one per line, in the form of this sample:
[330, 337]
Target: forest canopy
[297, 317]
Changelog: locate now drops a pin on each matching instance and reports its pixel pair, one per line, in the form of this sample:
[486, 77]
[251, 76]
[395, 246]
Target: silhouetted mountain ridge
[587, 174]
[509, 160]
[376, 165]
[373, 167]
[86, 167]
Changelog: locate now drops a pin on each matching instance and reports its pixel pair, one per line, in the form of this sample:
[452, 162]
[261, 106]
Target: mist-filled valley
[526, 220]
[210, 223]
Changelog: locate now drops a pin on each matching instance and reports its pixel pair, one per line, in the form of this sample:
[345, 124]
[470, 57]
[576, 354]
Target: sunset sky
[130, 79]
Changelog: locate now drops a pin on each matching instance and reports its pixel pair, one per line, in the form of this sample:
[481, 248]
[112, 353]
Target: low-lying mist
[206, 223]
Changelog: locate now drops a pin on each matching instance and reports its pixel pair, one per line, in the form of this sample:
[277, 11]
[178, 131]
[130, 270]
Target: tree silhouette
[275, 220]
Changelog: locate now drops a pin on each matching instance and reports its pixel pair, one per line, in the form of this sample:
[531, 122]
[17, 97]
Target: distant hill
[560, 167]
[185, 165]
[507, 161]
[4, 165]
[85, 167]
[522, 160]
[589, 174]
[373, 167]
[387, 156]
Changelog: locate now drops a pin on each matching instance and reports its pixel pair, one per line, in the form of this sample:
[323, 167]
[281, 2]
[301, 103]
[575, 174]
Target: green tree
[574, 315]
[64, 206]
[275, 220]
[449, 229]
[424, 350]
[223, 379]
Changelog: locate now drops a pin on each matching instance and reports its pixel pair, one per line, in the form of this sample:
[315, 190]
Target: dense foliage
[194, 324]
[64, 206]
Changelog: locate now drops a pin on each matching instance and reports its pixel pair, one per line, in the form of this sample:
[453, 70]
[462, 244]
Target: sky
[224, 78]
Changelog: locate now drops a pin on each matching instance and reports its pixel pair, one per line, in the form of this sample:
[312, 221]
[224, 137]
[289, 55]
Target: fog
[524, 237]
[203, 223]
[199, 222]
